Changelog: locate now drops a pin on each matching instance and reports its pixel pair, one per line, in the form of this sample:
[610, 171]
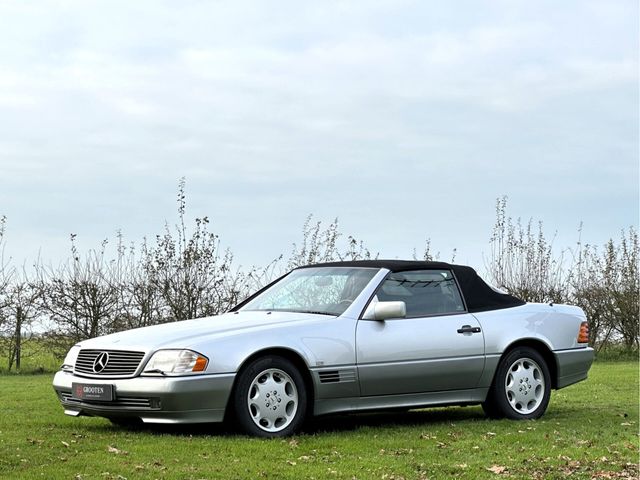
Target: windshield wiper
[293, 310]
[316, 312]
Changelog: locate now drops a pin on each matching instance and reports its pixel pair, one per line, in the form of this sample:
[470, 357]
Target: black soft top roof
[478, 295]
[393, 265]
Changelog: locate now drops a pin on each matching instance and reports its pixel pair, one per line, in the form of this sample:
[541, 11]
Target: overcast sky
[406, 120]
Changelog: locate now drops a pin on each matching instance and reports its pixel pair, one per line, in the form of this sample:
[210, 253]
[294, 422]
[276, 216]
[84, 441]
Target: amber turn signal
[583, 334]
[201, 364]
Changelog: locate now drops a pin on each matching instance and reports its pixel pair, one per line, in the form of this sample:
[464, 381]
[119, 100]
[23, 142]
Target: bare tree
[80, 297]
[20, 311]
[18, 307]
[6, 274]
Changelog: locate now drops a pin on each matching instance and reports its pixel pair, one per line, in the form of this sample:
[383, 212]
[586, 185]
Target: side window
[425, 292]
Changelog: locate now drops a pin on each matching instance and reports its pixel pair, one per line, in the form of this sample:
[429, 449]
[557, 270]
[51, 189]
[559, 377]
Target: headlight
[176, 362]
[70, 359]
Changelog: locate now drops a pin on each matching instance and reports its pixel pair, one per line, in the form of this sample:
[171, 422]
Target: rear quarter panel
[556, 326]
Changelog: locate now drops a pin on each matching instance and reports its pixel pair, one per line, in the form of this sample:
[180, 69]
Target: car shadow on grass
[393, 419]
[322, 425]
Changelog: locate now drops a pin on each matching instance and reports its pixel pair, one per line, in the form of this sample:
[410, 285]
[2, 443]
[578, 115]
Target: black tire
[521, 387]
[490, 408]
[270, 398]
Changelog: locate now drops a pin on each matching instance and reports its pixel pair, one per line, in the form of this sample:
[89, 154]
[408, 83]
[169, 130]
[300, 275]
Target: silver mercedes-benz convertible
[336, 337]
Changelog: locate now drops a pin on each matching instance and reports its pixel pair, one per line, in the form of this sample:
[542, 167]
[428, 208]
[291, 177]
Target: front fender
[320, 343]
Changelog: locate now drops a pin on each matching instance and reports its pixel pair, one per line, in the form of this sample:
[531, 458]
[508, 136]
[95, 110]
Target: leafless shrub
[184, 274]
[191, 273]
[522, 260]
[605, 286]
[428, 255]
[140, 300]
[323, 245]
[624, 257]
[603, 282]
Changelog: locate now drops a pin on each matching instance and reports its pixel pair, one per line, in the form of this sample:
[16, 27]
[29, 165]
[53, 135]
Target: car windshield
[323, 290]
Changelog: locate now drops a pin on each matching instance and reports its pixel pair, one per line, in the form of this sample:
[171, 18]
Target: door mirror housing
[385, 310]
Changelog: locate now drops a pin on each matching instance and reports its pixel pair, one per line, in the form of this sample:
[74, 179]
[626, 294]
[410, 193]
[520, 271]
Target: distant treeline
[183, 273]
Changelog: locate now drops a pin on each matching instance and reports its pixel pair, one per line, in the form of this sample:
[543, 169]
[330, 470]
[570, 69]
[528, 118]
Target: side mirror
[385, 310]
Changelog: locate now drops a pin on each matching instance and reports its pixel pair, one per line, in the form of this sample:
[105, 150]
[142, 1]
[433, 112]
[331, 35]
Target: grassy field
[589, 431]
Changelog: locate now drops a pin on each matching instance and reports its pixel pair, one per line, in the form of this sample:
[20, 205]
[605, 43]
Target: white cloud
[314, 107]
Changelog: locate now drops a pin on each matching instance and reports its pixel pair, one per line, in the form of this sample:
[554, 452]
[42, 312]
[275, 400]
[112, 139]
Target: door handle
[468, 329]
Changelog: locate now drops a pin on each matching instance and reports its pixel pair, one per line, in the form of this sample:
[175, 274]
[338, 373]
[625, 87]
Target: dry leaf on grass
[117, 451]
[497, 469]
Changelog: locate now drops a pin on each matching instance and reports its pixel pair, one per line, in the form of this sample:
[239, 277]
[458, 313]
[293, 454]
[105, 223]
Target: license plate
[89, 391]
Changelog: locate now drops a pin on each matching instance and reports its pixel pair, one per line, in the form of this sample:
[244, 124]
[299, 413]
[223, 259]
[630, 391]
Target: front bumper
[573, 365]
[189, 399]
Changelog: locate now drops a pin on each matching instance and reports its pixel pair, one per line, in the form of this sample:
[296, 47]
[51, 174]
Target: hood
[184, 334]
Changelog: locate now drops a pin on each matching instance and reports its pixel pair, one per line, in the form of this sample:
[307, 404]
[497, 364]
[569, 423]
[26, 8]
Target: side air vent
[337, 376]
[330, 376]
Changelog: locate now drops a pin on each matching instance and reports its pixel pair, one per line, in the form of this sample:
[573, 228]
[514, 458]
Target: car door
[438, 346]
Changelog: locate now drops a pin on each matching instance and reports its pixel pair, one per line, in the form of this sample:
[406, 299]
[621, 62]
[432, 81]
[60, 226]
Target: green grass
[37, 357]
[589, 431]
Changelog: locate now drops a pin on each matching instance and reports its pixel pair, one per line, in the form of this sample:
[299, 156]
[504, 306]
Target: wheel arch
[286, 353]
[543, 349]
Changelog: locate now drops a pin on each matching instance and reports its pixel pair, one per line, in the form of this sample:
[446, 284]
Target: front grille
[121, 363]
[130, 402]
